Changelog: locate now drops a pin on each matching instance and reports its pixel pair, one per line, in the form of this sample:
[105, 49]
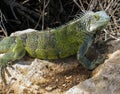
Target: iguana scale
[72, 38]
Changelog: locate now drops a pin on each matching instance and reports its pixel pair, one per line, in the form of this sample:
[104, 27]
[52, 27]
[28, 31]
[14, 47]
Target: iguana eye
[97, 17]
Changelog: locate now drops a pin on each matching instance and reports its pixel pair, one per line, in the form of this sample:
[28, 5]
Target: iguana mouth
[99, 25]
[102, 20]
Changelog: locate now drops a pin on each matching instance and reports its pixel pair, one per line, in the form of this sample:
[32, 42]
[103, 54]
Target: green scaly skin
[73, 38]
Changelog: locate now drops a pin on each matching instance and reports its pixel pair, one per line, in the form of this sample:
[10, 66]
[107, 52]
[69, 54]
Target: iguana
[75, 37]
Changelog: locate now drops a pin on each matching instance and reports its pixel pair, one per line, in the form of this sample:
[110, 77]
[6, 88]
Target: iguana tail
[13, 49]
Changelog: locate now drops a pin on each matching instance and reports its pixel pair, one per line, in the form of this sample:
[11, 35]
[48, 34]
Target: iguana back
[54, 44]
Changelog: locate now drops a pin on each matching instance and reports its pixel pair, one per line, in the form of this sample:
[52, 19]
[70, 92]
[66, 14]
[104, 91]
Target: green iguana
[72, 38]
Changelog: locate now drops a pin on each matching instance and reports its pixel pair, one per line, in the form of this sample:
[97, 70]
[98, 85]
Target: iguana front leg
[15, 52]
[83, 59]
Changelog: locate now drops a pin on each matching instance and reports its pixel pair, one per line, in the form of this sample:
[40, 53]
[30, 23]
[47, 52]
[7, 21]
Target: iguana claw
[2, 72]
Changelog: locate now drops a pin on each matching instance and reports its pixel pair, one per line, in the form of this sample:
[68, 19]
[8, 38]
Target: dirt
[67, 79]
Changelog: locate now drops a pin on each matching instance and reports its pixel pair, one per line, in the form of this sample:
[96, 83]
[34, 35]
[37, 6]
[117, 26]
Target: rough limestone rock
[106, 79]
[35, 76]
[26, 75]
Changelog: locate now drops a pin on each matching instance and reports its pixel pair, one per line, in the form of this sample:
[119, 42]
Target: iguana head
[94, 21]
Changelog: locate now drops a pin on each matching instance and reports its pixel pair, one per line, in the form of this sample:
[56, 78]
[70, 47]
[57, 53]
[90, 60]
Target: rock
[35, 75]
[50, 88]
[17, 33]
[106, 78]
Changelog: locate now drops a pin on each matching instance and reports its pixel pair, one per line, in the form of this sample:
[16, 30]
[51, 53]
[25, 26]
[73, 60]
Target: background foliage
[42, 14]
